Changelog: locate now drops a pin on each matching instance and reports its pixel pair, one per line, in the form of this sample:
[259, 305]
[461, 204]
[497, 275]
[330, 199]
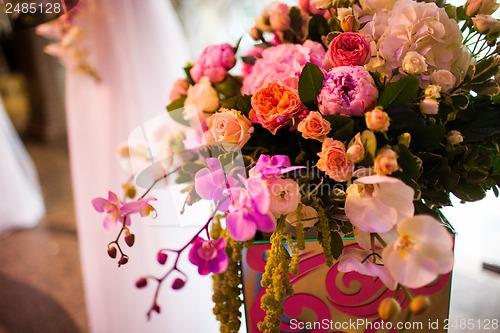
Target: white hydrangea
[417, 27]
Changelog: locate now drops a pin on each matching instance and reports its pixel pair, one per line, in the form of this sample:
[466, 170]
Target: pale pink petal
[99, 204]
[240, 228]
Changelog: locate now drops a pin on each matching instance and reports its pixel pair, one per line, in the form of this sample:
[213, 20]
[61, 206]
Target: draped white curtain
[22, 203]
[138, 50]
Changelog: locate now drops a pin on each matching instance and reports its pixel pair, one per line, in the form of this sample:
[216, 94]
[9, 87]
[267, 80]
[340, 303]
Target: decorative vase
[326, 300]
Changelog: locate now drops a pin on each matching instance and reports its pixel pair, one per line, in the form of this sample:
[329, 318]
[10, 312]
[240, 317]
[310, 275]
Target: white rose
[414, 63]
[443, 78]
[204, 98]
[433, 91]
[486, 24]
[429, 106]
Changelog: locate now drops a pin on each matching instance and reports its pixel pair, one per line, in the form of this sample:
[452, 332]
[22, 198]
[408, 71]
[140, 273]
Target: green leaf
[192, 167]
[460, 101]
[187, 70]
[487, 88]
[407, 162]
[229, 87]
[295, 20]
[486, 69]
[369, 141]
[310, 83]
[336, 245]
[469, 192]
[399, 93]
[428, 138]
[175, 110]
[342, 127]
[318, 26]
[239, 102]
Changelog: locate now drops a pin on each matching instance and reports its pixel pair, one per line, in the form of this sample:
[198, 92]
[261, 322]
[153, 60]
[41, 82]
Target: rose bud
[388, 308]
[386, 162]
[377, 120]
[454, 137]
[429, 106]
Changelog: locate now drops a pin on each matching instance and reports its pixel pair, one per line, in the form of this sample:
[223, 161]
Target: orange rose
[333, 160]
[274, 105]
[314, 126]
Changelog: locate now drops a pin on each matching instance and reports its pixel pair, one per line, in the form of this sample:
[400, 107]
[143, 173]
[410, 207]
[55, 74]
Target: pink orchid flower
[249, 210]
[111, 207]
[141, 206]
[209, 255]
[272, 166]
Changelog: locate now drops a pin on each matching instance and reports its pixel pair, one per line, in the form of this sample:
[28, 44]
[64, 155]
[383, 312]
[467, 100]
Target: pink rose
[279, 18]
[348, 48]
[214, 62]
[274, 105]
[333, 160]
[314, 126]
[228, 126]
[179, 89]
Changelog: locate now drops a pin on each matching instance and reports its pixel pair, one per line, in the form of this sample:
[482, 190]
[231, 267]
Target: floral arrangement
[352, 118]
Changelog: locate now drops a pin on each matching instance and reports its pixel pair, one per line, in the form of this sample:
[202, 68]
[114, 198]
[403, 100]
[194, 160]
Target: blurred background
[41, 287]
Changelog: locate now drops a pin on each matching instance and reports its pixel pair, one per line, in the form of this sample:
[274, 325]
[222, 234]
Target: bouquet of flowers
[355, 118]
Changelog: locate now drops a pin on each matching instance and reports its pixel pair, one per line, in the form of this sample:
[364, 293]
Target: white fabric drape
[138, 50]
[22, 203]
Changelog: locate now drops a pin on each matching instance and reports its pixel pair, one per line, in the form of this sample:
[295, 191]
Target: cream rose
[486, 24]
[443, 78]
[386, 162]
[414, 63]
[228, 126]
[356, 151]
[204, 98]
[429, 106]
[314, 126]
[284, 196]
[433, 91]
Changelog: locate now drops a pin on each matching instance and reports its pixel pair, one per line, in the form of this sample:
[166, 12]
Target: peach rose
[284, 196]
[274, 105]
[228, 126]
[377, 120]
[314, 126]
[333, 160]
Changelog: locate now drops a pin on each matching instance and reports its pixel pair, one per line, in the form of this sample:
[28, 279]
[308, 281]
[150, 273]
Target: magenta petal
[280, 161]
[259, 194]
[109, 222]
[239, 228]
[113, 198]
[203, 183]
[99, 204]
[219, 264]
[264, 222]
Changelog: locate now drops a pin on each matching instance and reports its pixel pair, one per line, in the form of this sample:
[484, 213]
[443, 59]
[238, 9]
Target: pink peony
[214, 62]
[282, 62]
[348, 48]
[347, 91]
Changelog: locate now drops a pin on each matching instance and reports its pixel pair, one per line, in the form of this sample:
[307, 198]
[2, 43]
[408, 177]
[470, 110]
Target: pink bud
[130, 239]
[161, 258]
[178, 284]
[141, 283]
[156, 308]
